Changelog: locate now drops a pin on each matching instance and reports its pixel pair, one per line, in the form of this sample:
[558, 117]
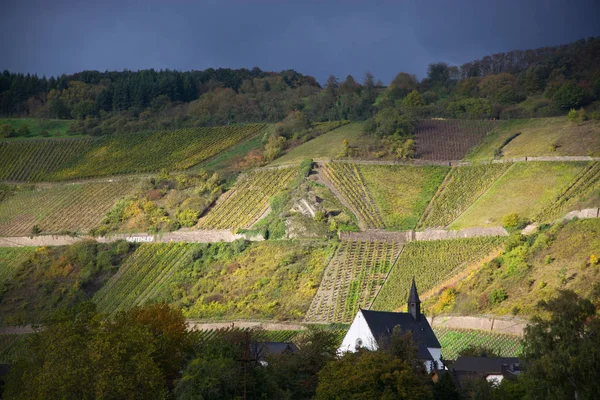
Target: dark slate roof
[483, 365]
[382, 323]
[261, 349]
[413, 297]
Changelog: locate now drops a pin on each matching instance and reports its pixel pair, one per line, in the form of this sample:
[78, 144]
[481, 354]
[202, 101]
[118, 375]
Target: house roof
[484, 365]
[413, 297]
[382, 323]
[261, 349]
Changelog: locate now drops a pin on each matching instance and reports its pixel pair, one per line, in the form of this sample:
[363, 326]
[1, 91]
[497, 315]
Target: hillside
[67, 159]
[534, 137]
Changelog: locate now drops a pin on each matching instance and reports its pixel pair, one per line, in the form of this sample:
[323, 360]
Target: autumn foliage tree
[81, 355]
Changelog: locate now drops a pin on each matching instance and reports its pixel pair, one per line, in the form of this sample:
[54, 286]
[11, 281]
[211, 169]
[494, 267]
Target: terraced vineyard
[431, 263]
[10, 259]
[453, 341]
[450, 139]
[460, 189]
[348, 181]
[144, 152]
[34, 160]
[143, 277]
[70, 207]
[248, 200]
[352, 279]
[585, 183]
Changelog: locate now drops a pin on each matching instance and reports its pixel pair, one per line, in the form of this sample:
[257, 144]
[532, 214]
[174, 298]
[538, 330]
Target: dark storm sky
[313, 37]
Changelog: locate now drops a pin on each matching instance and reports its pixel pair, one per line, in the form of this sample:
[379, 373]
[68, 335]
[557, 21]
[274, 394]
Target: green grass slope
[526, 188]
[401, 193]
[54, 127]
[326, 146]
[540, 137]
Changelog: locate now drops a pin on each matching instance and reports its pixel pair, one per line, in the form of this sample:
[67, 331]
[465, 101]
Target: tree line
[530, 83]
[146, 352]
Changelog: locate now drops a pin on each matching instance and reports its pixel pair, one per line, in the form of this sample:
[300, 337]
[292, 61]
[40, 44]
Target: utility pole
[246, 359]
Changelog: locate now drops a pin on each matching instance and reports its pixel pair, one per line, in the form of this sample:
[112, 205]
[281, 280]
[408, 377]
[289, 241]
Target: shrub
[511, 221]
[572, 115]
[497, 296]
[187, 217]
[593, 260]
[320, 216]
[6, 131]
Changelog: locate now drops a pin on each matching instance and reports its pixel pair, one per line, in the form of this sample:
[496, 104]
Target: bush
[320, 216]
[511, 221]
[569, 96]
[7, 131]
[572, 115]
[497, 296]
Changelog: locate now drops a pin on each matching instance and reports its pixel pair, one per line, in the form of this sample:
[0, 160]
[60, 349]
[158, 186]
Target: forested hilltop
[541, 82]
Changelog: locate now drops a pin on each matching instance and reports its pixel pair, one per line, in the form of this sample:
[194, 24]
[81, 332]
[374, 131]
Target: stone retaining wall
[209, 236]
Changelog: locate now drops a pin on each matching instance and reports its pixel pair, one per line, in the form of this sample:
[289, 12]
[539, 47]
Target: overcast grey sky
[318, 38]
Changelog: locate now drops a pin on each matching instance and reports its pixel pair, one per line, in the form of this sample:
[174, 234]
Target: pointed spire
[414, 304]
[413, 297]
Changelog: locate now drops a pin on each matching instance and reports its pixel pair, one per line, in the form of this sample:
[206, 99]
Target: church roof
[382, 323]
[413, 297]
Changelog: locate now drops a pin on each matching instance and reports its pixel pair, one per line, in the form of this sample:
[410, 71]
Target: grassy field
[11, 259]
[66, 207]
[526, 188]
[54, 127]
[248, 200]
[431, 263]
[453, 341]
[541, 137]
[326, 146]
[352, 279]
[462, 186]
[401, 193]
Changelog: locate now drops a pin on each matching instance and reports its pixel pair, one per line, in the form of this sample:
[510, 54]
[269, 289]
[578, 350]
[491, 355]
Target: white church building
[370, 326]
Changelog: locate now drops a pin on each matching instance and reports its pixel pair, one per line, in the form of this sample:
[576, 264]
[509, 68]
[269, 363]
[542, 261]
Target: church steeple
[414, 304]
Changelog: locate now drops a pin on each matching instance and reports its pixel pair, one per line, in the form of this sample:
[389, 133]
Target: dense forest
[531, 83]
